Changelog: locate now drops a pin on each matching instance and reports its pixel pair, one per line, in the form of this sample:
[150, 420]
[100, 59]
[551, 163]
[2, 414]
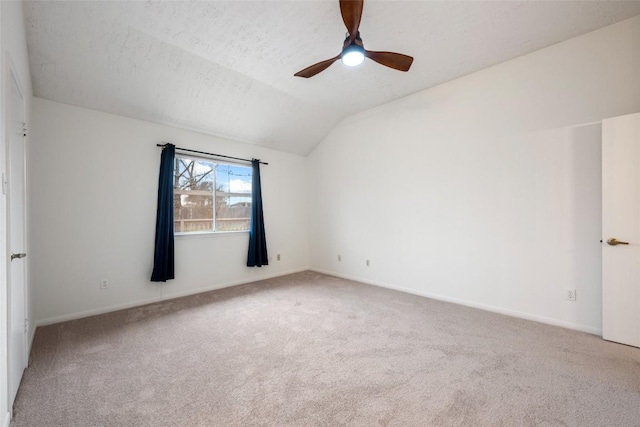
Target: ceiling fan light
[352, 55]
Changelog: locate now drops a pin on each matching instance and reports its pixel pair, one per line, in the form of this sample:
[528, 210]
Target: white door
[621, 221]
[17, 342]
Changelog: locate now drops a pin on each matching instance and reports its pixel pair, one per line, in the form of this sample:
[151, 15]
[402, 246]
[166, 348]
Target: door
[621, 229]
[17, 341]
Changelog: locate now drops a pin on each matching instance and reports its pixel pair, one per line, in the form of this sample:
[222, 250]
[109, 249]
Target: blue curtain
[257, 242]
[163, 254]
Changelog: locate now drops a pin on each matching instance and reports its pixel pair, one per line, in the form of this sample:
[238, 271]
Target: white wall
[93, 204]
[484, 190]
[13, 54]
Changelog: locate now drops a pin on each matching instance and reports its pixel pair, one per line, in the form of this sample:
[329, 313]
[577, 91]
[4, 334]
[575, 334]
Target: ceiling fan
[353, 51]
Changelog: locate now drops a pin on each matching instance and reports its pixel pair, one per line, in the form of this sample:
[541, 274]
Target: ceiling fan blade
[391, 59]
[316, 68]
[351, 14]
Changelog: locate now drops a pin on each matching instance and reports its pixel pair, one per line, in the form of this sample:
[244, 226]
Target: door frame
[11, 75]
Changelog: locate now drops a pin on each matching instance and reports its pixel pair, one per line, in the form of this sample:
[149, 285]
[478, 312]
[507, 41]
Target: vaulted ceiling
[226, 67]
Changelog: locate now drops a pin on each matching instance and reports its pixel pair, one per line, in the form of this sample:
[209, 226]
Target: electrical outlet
[368, 263]
[278, 257]
[571, 294]
[104, 284]
[339, 258]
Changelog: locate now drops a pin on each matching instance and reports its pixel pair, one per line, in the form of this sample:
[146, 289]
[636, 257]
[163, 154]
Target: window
[200, 182]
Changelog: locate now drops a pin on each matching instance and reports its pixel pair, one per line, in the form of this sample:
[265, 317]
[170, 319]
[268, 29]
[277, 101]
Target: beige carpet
[313, 350]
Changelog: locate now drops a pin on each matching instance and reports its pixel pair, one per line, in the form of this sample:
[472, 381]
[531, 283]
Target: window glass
[233, 197]
[197, 183]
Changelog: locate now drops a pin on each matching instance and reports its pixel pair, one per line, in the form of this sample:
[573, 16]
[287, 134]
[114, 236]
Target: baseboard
[486, 307]
[7, 420]
[230, 284]
[93, 312]
[164, 297]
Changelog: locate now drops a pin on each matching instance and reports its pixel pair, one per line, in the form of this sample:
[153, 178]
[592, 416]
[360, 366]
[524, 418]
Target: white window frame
[198, 234]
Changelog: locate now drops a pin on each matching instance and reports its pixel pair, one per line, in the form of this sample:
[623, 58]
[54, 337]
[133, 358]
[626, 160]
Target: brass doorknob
[613, 242]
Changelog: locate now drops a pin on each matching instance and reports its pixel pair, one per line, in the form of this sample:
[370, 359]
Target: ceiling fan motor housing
[353, 51]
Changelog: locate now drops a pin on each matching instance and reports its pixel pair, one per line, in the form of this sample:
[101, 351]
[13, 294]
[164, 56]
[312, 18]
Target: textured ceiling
[226, 67]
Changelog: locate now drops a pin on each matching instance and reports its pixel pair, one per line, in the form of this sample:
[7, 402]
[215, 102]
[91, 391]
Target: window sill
[209, 234]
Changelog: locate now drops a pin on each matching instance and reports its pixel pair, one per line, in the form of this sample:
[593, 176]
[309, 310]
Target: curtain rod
[212, 154]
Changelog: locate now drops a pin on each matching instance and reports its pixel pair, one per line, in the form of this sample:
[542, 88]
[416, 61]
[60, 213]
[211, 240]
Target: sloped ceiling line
[226, 67]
